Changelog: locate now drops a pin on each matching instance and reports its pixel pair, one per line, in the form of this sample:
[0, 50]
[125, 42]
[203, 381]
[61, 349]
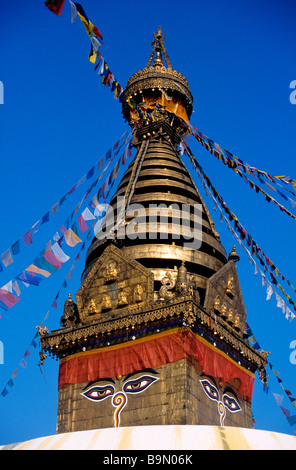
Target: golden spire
[158, 46]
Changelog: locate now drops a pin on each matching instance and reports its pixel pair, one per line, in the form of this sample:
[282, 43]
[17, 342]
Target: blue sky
[57, 120]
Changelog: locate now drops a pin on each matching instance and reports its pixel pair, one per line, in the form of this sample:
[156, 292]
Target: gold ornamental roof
[158, 76]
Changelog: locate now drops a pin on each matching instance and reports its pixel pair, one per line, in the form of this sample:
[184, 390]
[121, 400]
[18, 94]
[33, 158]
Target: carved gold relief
[122, 299]
[224, 311]
[230, 316]
[229, 289]
[236, 324]
[111, 272]
[217, 308]
[106, 302]
[138, 293]
[92, 308]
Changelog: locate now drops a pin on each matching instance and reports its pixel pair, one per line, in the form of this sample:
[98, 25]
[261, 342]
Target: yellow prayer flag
[87, 24]
[92, 56]
[34, 269]
[71, 238]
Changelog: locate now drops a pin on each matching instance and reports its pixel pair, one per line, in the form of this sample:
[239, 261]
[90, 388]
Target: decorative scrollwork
[168, 283]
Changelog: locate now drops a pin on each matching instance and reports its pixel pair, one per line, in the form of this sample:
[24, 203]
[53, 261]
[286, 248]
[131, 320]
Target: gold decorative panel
[116, 282]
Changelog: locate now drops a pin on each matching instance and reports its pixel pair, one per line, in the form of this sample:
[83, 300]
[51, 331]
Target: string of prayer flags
[77, 10]
[280, 398]
[251, 338]
[280, 302]
[108, 79]
[53, 257]
[22, 363]
[268, 265]
[95, 36]
[56, 6]
[33, 344]
[6, 258]
[237, 164]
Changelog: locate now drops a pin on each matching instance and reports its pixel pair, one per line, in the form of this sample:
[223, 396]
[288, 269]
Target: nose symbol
[119, 401]
[222, 410]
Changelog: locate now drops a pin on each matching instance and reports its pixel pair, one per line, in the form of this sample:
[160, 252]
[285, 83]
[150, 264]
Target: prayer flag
[82, 224]
[278, 398]
[27, 353]
[59, 253]
[87, 215]
[292, 420]
[34, 269]
[294, 403]
[269, 291]
[43, 263]
[71, 238]
[27, 237]
[72, 189]
[74, 228]
[23, 363]
[101, 69]
[8, 287]
[34, 229]
[33, 343]
[56, 6]
[29, 278]
[95, 44]
[45, 218]
[16, 248]
[7, 258]
[73, 12]
[53, 259]
[116, 170]
[8, 299]
[16, 288]
[285, 411]
[90, 173]
[80, 10]
[54, 208]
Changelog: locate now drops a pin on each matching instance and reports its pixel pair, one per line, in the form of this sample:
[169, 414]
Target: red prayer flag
[82, 225]
[27, 237]
[56, 6]
[97, 32]
[53, 259]
[8, 299]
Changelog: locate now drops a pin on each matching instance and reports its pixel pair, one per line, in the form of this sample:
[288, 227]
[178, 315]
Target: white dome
[185, 437]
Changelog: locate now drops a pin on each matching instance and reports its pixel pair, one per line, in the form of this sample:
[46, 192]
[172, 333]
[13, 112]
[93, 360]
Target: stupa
[155, 334]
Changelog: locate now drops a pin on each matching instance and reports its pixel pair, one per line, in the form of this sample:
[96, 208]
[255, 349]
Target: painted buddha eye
[231, 403]
[98, 393]
[210, 389]
[139, 385]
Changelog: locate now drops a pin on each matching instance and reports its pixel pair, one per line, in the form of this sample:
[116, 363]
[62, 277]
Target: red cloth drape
[153, 352]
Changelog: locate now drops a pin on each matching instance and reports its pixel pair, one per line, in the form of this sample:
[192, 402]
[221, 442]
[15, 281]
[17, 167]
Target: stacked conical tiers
[166, 222]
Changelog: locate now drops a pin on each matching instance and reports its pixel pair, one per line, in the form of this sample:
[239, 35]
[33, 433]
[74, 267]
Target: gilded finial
[233, 255]
[158, 46]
